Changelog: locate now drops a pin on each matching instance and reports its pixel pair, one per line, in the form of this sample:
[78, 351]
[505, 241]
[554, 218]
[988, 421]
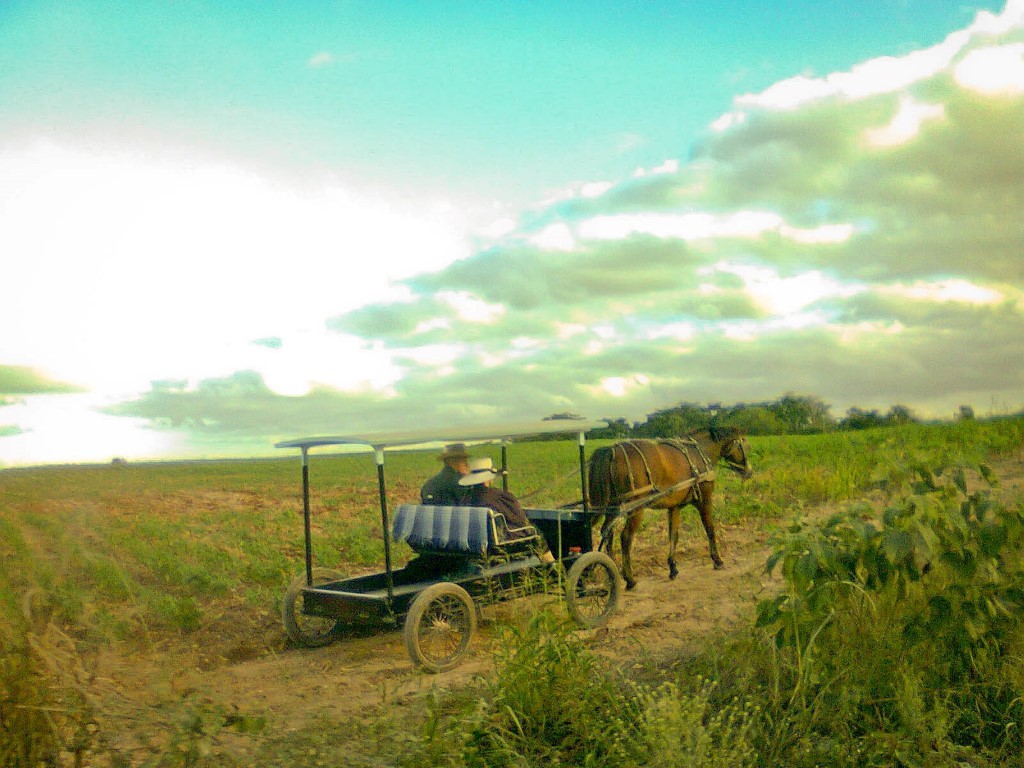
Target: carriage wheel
[439, 626]
[592, 589]
[307, 631]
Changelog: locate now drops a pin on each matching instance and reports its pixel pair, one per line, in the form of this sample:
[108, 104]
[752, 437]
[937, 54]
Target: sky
[224, 224]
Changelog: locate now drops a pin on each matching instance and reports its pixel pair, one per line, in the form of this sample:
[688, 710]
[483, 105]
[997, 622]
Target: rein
[557, 480]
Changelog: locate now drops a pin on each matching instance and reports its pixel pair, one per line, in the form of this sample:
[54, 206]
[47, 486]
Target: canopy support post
[385, 528]
[587, 531]
[305, 516]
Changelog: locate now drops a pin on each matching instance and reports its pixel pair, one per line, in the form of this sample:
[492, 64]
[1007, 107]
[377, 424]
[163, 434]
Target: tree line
[788, 415]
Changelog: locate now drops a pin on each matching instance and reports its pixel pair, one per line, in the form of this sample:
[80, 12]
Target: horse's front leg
[704, 507]
[673, 540]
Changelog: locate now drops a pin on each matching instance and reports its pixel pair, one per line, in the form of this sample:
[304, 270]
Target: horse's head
[735, 450]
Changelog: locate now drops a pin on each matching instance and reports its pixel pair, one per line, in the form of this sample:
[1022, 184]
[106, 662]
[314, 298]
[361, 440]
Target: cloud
[866, 216]
[856, 236]
[320, 59]
[140, 267]
[20, 380]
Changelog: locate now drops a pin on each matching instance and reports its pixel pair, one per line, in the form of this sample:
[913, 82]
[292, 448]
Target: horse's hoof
[673, 574]
[630, 585]
[719, 566]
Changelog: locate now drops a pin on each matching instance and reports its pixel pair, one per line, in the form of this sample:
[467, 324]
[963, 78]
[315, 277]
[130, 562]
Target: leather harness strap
[684, 446]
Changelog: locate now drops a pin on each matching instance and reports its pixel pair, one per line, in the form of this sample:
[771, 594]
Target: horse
[674, 473]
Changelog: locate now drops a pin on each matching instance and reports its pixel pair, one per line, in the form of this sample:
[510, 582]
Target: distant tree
[802, 413]
[900, 414]
[756, 420]
[673, 422]
[564, 416]
[617, 429]
[857, 418]
[966, 413]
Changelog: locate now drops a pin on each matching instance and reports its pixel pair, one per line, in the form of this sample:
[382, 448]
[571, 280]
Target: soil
[252, 669]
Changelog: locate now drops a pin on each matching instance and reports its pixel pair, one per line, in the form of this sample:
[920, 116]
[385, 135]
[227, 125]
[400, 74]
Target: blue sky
[226, 223]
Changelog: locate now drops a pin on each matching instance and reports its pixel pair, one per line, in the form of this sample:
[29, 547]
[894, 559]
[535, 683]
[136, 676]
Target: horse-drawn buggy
[464, 557]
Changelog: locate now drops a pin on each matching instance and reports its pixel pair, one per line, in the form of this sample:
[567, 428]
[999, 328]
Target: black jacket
[444, 489]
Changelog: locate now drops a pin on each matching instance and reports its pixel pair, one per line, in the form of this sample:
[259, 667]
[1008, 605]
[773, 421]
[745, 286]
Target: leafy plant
[888, 619]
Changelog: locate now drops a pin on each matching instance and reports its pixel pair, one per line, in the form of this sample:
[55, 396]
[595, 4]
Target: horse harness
[690, 449]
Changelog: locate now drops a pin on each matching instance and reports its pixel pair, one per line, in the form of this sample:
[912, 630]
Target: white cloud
[134, 268]
[886, 74]
[779, 295]
[471, 309]
[993, 71]
[669, 166]
[823, 235]
[870, 331]
[620, 386]
[568, 330]
[727, 121]
[554, 237]
[999, 24]
[83, 433]
[703, 226]
[595, 189]
[317, 357]
[435, 355]
[956, 290]
[679, 331]
[320, 59]
[685, 226]
[996, 70]
[905, 123]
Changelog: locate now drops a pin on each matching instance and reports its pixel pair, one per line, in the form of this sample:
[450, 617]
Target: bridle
[741, 467]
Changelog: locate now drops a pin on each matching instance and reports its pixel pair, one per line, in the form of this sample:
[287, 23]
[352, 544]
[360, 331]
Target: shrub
[906, 627]
[551, 702]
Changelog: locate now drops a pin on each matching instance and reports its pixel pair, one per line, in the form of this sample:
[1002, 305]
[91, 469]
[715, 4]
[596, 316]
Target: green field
[145, 556]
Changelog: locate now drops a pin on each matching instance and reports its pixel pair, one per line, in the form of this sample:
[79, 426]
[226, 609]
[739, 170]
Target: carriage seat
[475, 531]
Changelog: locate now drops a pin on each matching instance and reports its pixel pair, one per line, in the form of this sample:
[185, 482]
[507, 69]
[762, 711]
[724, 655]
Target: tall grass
[552, 702]
[121, 548]
[154, 553]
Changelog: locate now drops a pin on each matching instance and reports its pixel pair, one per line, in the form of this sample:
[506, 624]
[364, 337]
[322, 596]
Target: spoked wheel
[439, 626]
[307, 631]
[592, 589]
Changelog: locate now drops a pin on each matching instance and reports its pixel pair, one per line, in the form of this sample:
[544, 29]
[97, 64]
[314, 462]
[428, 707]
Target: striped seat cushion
[466, 530]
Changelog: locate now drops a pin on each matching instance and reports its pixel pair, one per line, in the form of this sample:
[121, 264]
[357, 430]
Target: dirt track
[353, 677]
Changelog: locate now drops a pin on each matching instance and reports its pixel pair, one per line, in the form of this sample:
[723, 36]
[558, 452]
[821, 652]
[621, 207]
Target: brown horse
[624, 474]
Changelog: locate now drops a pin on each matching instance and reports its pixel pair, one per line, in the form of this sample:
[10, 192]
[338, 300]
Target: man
[443, 488]
[478, 480]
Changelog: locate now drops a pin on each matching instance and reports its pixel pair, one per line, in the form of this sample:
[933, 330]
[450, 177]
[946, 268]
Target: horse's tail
[599, 477]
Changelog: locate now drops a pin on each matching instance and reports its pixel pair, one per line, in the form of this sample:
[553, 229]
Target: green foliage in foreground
[903, 636]
[551, 702]
[897, 640]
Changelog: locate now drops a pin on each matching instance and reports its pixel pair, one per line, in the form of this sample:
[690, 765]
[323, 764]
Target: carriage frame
[437, 595]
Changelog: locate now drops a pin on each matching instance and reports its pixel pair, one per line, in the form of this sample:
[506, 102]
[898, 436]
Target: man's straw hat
[480, 471]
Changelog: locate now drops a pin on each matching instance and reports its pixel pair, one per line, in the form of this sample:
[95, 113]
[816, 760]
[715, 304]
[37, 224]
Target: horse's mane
[721, 433]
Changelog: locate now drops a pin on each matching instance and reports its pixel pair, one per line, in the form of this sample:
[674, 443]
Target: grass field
[152, 554]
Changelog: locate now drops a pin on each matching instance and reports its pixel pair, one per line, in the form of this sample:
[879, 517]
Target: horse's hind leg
[673, 539]
[607, 543]
[631, 524]
[709, 526]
